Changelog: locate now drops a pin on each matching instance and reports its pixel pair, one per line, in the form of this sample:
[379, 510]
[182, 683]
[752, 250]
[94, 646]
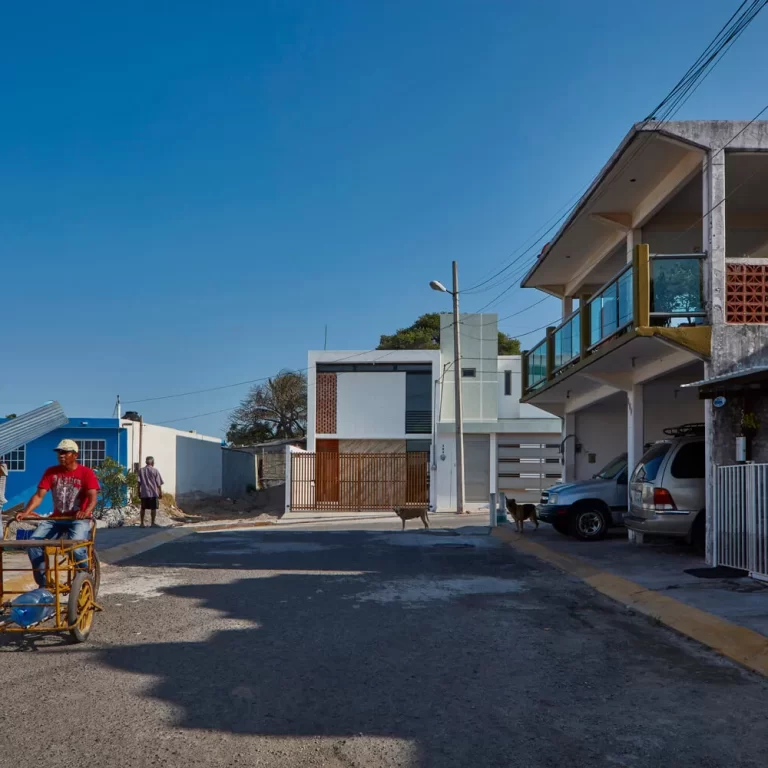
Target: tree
[425, 334]
[113, 486]
[272, 410]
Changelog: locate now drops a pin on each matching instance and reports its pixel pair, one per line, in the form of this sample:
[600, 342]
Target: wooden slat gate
[358, 481]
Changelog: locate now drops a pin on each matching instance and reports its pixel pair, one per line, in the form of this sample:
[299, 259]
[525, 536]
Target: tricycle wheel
[96, 574]
[81, 607]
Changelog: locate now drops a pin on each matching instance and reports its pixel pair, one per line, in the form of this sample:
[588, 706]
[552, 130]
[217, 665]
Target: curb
[131, 548]
[742, 645]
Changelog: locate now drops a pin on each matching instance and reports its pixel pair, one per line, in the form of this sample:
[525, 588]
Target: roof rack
[684, 430]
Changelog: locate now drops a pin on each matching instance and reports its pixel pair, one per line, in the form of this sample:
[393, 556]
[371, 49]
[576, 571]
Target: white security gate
[741, 517]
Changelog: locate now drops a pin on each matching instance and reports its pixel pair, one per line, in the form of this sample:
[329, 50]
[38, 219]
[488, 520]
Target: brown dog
[411, 513]
[522, 512]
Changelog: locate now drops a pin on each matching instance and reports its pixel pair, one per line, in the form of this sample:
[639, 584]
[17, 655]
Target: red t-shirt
[69, 489]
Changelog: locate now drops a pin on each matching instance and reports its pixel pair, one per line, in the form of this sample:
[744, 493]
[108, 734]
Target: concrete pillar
[494, 453]
[567, 306]
[634, 237]
[635, 427]
[714, 224]
[569, 448]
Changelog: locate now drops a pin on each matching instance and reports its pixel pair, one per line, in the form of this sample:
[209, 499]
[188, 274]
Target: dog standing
[522, 512]
[411, 513]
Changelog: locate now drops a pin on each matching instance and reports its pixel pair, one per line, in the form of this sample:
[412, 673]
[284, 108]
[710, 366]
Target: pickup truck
[588, 508]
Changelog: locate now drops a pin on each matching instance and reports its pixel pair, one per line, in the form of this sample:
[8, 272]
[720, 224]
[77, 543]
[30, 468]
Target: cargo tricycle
[67, 603]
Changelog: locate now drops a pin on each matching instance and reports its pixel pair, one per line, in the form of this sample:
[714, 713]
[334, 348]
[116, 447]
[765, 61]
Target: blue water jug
[30, 612]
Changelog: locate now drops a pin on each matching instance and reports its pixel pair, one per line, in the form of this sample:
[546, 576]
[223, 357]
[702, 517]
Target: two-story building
[381, 427]
[662, 269]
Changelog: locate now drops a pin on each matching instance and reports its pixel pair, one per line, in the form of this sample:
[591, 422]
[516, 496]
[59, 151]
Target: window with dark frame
[507, 383]
[468, 373]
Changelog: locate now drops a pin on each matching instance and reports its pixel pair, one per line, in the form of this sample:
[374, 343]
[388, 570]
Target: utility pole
[457, 387]
[435, 285]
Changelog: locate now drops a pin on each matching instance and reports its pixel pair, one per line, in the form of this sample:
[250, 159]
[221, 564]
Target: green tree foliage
[272, 410]
[425, 334]
[114, 485]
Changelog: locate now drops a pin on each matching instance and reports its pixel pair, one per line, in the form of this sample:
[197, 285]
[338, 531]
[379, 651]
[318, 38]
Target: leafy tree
[10, 415]
[425, 334]
[272, 410]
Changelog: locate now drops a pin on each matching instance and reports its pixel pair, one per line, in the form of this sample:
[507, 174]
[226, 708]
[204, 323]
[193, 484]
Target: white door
[477, 468]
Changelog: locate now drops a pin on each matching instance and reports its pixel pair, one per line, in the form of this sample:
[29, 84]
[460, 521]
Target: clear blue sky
[190, 191]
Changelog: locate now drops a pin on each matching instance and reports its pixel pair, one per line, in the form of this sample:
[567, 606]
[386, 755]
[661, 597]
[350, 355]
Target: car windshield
[612, 468]
[648, 468]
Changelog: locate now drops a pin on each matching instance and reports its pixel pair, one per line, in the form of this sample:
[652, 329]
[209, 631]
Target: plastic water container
[31, 613]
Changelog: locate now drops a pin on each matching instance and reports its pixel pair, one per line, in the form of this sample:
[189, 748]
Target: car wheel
[561, 526]
[589, 524]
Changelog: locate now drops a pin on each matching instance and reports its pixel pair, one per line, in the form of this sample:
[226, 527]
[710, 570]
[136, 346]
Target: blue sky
[190, 191]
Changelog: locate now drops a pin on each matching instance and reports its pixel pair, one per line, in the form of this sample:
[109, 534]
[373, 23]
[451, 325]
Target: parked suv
[588, 508]
[667, 491]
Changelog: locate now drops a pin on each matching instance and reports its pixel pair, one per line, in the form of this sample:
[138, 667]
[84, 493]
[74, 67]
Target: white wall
[187, 461]
[666, 404]
[601, 429]
[370, 405]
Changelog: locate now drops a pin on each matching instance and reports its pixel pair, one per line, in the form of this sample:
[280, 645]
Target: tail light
[662, 500]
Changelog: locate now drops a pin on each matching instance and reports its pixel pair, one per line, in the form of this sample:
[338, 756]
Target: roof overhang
[745, 380]
[649, 167]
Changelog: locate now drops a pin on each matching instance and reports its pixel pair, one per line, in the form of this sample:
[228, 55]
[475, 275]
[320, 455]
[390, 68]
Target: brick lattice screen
[746, 288]
[325, 419]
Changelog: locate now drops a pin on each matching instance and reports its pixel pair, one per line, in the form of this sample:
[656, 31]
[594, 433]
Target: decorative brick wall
[325, 417]
[746, 293]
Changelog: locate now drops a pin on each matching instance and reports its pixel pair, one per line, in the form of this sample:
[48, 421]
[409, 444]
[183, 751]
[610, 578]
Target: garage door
[477, 467]
[527, 465]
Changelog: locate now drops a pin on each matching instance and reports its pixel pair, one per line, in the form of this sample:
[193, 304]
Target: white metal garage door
[477, 467]
[527, 465]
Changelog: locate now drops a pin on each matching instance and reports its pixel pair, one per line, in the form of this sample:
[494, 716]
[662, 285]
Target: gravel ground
[369, 648]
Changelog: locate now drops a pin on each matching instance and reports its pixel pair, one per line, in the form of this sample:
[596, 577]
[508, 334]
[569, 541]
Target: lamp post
[437, 286]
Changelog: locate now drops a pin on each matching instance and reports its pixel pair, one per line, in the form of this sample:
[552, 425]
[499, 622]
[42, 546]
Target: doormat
[718, 572]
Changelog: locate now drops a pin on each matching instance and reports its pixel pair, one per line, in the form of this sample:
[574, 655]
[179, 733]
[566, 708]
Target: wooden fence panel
[358, 481]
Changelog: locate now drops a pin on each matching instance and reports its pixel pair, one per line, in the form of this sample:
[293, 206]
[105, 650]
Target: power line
[670, 105]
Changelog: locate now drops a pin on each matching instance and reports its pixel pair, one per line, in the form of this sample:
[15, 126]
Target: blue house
[97, 439]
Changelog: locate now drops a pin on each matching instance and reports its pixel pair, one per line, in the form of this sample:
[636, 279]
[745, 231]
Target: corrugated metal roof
[29, 426]
[754, 374]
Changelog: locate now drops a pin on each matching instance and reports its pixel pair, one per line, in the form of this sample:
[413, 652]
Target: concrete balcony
[652, 308]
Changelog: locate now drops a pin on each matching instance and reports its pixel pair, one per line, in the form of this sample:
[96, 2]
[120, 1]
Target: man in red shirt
[74, 489]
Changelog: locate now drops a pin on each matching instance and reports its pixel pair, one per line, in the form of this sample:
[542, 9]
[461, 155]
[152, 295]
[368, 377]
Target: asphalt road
[280, 647]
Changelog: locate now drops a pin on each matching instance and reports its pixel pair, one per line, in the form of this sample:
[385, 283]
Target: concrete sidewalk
[729, 615]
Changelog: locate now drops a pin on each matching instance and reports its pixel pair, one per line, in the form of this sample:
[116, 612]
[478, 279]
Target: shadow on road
[536, 670]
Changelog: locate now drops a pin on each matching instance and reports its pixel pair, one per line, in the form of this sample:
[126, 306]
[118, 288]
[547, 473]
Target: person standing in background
[150, 489]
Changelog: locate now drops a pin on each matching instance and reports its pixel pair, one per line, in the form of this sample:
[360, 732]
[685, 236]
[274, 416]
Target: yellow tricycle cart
[74, 591]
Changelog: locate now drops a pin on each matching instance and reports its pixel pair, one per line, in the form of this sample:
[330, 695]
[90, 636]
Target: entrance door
[327, 471]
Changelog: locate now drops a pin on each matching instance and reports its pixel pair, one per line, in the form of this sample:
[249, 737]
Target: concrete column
[635, 426]
[634, 237]
[569, 448]
[567, 306]
[713, 236]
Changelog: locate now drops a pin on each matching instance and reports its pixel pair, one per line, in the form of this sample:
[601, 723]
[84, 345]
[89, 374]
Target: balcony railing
[663, 290]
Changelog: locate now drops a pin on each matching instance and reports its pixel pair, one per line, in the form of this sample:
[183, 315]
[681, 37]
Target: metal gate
[358, 481]
[741, 517]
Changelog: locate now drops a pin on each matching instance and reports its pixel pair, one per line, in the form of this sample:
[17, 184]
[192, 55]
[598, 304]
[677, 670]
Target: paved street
[369, 647]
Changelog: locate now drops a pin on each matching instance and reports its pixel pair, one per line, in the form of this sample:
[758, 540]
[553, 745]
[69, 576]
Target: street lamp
[435, 285]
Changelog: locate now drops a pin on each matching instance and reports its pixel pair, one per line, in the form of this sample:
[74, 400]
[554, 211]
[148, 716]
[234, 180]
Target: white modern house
[381, 427]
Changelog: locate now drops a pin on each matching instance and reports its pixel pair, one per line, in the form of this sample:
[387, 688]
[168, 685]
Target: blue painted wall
[21, 485]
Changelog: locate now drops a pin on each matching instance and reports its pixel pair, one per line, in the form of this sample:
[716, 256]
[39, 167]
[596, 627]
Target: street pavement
[361, 645]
